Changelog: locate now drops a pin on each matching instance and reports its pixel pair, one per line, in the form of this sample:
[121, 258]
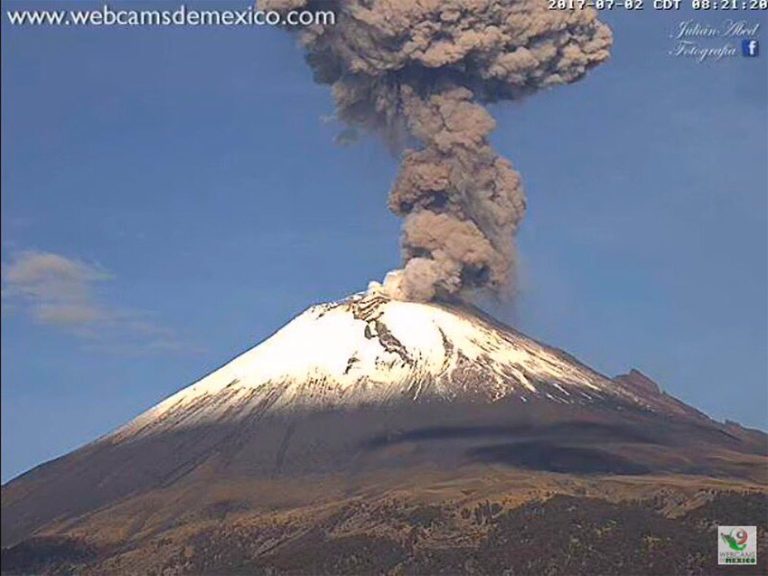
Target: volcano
[372, 435]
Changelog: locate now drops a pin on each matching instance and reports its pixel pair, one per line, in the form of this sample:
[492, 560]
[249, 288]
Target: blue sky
[184, 188]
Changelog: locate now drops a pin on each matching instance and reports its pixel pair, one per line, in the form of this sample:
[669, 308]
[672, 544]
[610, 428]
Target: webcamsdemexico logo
[737, 545]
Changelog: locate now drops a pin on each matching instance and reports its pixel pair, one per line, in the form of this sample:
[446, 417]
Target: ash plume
[418, 72]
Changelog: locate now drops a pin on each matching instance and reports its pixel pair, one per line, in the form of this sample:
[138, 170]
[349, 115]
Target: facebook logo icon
[750, 47]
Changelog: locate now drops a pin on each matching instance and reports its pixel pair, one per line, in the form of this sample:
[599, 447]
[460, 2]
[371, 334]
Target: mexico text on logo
[736, 545]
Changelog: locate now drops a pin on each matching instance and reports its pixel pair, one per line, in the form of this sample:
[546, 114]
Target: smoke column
[418, 72]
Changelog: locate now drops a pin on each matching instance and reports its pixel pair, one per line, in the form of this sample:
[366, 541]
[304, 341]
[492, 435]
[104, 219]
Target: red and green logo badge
[736, 540]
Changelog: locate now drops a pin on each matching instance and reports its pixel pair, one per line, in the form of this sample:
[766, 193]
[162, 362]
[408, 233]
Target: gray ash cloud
[419, 73]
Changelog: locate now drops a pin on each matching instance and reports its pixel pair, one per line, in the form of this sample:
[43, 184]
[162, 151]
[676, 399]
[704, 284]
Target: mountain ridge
[366, 396]
[374, 350]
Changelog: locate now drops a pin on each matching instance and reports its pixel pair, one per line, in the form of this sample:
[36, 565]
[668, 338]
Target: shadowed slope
[371, 388]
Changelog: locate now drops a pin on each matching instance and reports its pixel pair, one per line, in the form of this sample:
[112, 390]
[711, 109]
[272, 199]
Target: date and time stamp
[703, 5]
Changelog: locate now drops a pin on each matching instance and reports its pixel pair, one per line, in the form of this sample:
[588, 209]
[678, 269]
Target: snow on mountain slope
[361, 389]
[369, 349]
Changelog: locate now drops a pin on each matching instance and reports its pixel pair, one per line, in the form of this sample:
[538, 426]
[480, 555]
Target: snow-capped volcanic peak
[370, 349]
